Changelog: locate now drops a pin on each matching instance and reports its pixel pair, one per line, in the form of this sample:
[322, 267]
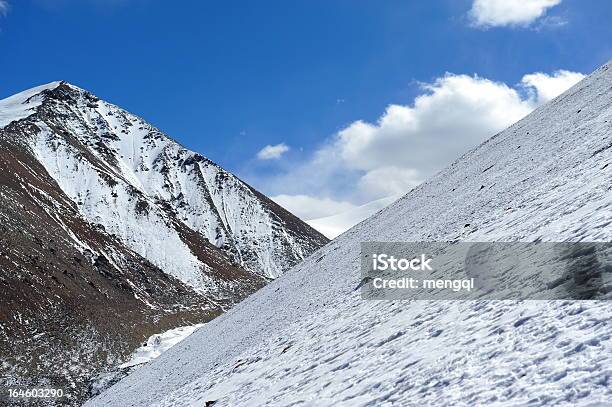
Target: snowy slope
[333, 226]
[309, 339]
[138, 184]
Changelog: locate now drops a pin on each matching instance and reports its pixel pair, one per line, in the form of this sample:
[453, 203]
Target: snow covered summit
[126, 175]
[310, 339]
[111, 232]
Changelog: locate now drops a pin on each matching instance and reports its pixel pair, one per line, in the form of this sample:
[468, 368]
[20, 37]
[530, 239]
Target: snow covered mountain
[309, 338]
[127, 176]
[112, 232]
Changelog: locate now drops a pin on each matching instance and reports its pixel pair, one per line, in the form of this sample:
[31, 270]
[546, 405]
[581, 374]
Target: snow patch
[158, 344]
[23, 104]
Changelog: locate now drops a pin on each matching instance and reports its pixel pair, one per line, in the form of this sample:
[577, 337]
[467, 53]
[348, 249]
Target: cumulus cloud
[274, 152]
[546, 87]
[4, 7]
[409, 143]
[307, 207]
[387, 181]
[333, 226]
[455, 113]
[498, 13]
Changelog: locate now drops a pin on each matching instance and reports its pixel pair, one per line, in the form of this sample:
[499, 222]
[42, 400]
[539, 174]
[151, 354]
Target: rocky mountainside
[309, 338]
[110, 232]
[130, 178]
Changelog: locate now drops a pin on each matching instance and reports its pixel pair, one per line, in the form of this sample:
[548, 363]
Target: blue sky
[228, 78]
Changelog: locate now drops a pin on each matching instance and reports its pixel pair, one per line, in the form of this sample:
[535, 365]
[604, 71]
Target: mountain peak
[23, 104]
[80, 135]
[146, 234]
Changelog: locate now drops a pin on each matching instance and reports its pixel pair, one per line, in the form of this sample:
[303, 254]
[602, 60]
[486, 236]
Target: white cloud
[4, 7]
[333, 226]
[456, 112]
[387, 181]
[497, 13]
[274, 152]
[550, 23]
[546, 87]
[409, 143]
[307, 207]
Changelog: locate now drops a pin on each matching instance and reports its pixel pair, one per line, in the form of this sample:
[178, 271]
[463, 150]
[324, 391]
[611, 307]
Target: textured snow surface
[309, 339]
[23, 104]
[333, 226]
[117, 210]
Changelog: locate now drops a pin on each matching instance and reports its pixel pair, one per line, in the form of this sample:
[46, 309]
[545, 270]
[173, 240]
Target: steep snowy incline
[309, 339]
[151, 192]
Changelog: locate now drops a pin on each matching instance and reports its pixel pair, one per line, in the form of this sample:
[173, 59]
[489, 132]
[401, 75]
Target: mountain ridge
[114, 140]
